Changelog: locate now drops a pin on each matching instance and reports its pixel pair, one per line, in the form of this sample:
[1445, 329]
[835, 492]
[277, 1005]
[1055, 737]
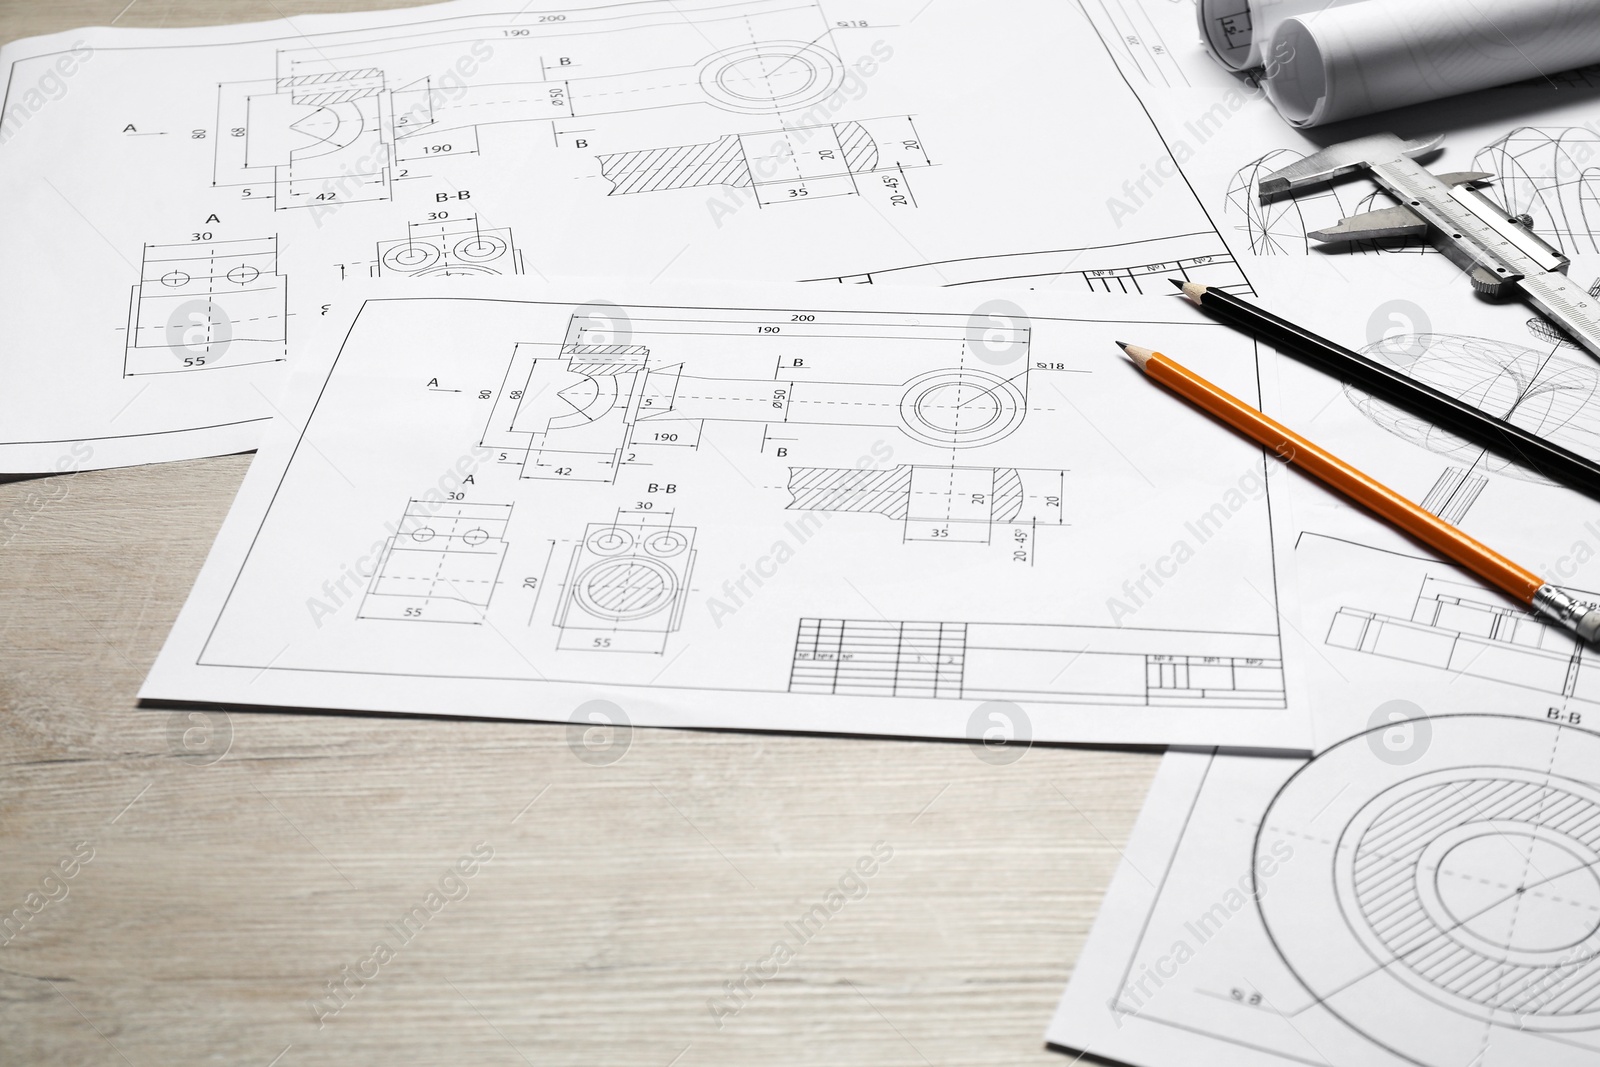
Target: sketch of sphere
[1544, 393]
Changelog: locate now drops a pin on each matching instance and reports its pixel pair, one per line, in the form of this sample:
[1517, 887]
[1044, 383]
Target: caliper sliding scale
[1499, 253]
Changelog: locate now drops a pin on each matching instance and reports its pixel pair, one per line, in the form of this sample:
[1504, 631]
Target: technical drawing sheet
[843, 509]
[1424, 892]
[1539, 141]
[184, 203]
[1383, 618]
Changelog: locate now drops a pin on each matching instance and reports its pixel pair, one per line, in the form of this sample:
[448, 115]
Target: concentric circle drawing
[964, 408]
[770, 76]
[665, 543]
[629, 587]
[1448, 908]
[411, 257]
[1542, 392]
[609, 541]
[480, 247]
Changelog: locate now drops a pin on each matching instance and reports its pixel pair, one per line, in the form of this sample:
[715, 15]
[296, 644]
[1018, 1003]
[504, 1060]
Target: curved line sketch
[1549, 174]
[1449, 902]
[1543, 392]
[1280, 227]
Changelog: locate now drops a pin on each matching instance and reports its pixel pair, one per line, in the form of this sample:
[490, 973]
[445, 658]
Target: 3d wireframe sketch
[441, 565]
[1544, 392]
[207, 304]
[626, 585]
[1280, 228]
[1447, 905]
[1553, 177]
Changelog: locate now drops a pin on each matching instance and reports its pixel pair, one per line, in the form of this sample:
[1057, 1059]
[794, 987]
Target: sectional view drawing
[343, 117]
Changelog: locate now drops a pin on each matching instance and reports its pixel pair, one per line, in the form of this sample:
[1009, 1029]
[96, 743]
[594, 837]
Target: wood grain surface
[227, 870]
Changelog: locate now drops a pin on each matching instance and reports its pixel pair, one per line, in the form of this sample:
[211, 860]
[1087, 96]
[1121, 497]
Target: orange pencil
[1579, 616]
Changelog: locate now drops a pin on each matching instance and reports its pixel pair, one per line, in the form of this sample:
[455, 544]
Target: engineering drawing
[441, 565]
[579, 409]
[782, 166]
[438, 249]
[1447, 907]
[1543, 392]
[1456, 627]
[1280, 227]
[626, 585]
[1550, 333]
[315, 137]
[1120, 268]
[932, 503]
[1035, 662]
[1550, 175]
[205, 305]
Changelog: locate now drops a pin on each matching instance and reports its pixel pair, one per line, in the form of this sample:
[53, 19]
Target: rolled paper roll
[1379, 54]
[1237, 31]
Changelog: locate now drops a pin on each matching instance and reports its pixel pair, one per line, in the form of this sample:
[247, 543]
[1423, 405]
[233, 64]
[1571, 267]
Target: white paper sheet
[868, 511]
[1427, 892]
[183, 203]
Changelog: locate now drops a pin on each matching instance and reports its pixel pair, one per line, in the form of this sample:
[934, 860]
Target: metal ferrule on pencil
[1579, 616]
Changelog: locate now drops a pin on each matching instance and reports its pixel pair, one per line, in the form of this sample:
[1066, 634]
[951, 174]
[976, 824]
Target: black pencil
[1443, 410]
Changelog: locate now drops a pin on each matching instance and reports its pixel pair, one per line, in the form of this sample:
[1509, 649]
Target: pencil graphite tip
[1193, 290]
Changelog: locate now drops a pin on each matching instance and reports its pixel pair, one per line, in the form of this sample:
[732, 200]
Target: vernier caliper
[1500, 253]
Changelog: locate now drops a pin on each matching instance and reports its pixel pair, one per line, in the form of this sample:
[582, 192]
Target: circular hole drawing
[1561, 913]
[665, 543]
[610, 541]
[243, 275]
[475, 536]
[1448, 905]
[411, 257]
[480, 247]
[770, 76]
[626, 588]
[175, 278]
[422, 533]
[963, 408]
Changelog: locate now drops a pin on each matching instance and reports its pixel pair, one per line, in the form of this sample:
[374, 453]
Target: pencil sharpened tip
[1177, 283]
[1139, 355]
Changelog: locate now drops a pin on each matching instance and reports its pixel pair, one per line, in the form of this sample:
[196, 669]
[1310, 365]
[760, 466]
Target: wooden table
[242, 865]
